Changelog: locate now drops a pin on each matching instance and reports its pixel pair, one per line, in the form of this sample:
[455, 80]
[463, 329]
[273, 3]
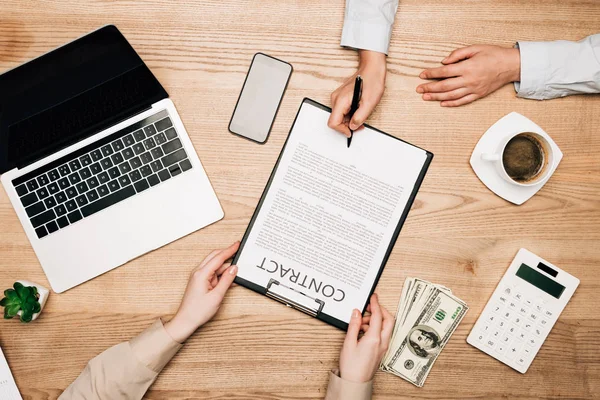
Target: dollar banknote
[427, 316]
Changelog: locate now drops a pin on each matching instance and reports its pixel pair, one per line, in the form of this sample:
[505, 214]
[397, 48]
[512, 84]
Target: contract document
[329, 216]
[8, 387]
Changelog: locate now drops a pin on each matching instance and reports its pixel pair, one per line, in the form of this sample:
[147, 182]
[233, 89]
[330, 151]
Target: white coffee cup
[543, 172]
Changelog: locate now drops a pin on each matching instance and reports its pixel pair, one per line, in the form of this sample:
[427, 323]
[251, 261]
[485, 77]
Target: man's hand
[360, 358]
[372, 68]
[471, 73]
[204, 293]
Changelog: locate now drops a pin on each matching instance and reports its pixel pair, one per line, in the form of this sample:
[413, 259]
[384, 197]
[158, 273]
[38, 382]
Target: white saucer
[489, 142]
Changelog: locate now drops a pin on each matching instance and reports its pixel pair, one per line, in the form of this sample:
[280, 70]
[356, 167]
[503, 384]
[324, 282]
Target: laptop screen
[70, 94]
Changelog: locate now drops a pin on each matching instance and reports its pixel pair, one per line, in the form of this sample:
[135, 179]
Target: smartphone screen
[259, 100]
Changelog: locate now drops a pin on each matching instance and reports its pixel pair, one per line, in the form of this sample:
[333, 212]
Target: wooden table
[458, 233]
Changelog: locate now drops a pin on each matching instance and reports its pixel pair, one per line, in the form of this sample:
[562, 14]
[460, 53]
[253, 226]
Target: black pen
[355, 101]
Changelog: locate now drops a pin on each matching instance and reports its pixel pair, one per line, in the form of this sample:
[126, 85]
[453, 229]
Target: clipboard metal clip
[294, 298]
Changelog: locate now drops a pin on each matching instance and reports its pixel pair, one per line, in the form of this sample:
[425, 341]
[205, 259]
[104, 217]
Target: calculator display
[540, 281]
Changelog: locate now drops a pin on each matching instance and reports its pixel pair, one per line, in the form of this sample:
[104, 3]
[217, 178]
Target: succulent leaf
[31, 300]
[18, 288]
[12, 296]
[25, 292]
[6, 315]
[26, 316]
[27, 307]
[37, 308]
[12, 310]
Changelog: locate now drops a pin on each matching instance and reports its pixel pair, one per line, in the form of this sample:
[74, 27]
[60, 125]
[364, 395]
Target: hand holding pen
[372, 70]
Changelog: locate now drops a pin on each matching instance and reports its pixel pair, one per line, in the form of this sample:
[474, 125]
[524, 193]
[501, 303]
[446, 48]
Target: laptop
[95, 159]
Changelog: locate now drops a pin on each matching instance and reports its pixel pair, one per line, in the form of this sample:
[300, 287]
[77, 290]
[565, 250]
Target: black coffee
[523, 158]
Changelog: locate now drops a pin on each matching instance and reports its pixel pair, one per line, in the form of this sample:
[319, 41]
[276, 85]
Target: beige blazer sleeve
[126, 370]
[340, 389]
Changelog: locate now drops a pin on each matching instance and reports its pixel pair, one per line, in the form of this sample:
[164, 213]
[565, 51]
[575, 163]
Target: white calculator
[524, 307]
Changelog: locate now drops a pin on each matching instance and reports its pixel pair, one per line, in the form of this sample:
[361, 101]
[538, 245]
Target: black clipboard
[292, 297]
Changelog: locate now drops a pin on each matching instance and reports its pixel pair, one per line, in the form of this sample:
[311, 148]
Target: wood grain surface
[458, 233]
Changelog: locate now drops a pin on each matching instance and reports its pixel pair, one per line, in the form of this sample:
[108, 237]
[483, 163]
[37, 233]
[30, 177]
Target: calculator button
[496, 308]
[491, 318]
[538, 308]
[537, 331]
[507, 291]
[501, 324]
[522, 335]
[501, 348]
[532, 341]
[485, 329]
[543, 322]
[518, 296]
[527, 326]
[513, 349]
[512, 305]
[481, 337]
[496, 334]
[534, 317]
[518, 320]
[507, 314]
[491, 343]
[512, 330]
[529, 303]
[548, 313]
[505, 339]
[521, 360]
[523, 310]
[503, 299]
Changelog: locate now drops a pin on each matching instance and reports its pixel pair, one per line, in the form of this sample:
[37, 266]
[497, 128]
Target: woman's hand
[471, 73]
[204, 293]
[372, 68]
[360, 358]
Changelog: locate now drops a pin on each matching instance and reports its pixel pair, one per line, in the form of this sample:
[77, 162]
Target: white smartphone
[260, 98]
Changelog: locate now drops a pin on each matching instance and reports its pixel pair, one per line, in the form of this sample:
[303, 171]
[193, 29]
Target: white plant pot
[42, 291]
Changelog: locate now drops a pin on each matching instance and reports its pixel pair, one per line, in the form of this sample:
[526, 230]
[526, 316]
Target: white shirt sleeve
[368, 24]
[560, 68]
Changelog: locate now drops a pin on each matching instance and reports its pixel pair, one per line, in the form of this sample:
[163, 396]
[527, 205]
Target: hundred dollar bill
[408, 299]
[406, 288]
[426, 335]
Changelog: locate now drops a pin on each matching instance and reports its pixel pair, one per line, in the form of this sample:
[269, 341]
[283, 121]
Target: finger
[366, 319]
[210, 257]
[364, 328]
[222, 268]
[460, 54]
[206, 259]
[445, 85]
[353, 328]
[369, 307]
[462, 101]
[217, 261]
[340, 108]
[451, 95]
[225, 281]
[446, 71]
[376, 316]
[365, 108]
[388, 327]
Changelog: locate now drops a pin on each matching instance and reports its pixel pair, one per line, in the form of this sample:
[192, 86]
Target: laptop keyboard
[102, 174]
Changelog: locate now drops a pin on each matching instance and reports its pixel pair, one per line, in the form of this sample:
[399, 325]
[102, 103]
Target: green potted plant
[25, 299]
